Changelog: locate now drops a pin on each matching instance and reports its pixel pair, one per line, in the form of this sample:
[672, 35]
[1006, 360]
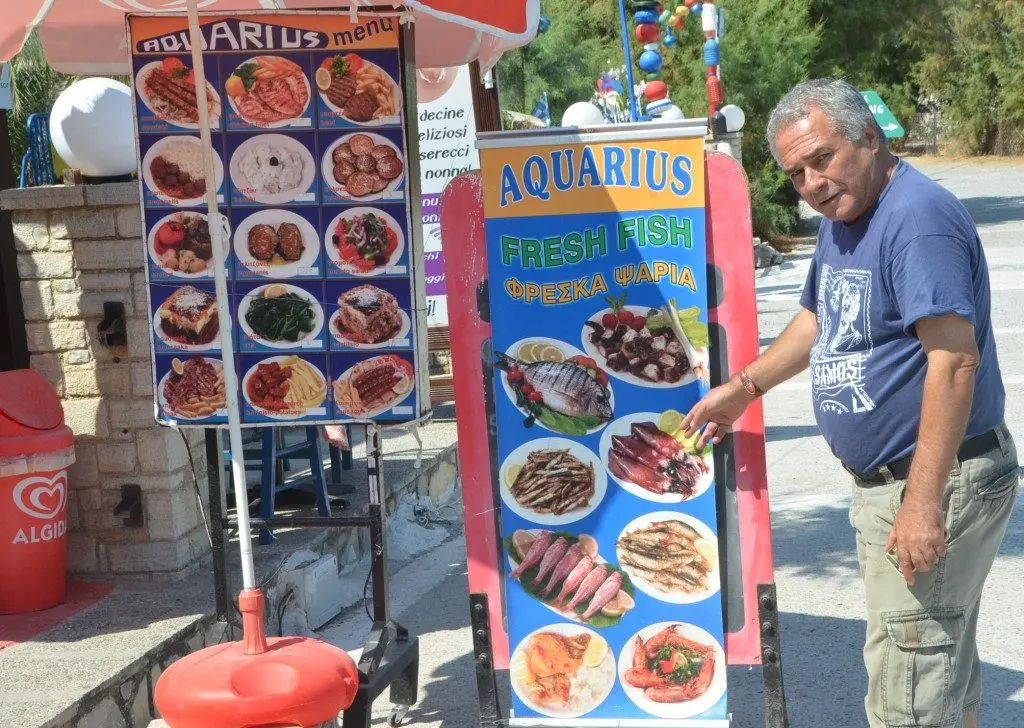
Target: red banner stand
[744, 523]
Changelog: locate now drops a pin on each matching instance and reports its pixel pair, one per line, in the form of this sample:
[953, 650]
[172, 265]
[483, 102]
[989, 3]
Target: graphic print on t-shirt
[843, 344]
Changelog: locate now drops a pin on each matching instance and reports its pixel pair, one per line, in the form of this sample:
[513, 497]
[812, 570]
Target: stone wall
[78, 247]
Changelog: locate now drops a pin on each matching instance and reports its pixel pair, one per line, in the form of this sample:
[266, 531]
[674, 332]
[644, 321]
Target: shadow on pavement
[826, 682]
[779, 433]
[824, 672]
[992, 210]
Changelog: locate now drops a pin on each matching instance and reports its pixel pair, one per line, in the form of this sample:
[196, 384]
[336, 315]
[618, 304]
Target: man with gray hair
[896, 328]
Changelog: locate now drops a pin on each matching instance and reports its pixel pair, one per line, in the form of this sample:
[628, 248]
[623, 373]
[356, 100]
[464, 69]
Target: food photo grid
[311, 165]
[609, 528]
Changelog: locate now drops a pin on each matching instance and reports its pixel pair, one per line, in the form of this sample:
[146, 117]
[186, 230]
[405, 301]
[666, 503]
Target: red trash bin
[36, 449]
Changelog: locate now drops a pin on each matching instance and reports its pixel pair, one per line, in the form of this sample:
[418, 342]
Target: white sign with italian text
[447, 131]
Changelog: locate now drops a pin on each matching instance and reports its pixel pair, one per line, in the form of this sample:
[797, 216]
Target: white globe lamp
[672, 113]
[734, 117]
[583, 113]
[91, 127]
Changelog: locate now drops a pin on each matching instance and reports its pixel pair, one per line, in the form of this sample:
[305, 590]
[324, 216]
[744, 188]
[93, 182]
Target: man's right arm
[787, 356]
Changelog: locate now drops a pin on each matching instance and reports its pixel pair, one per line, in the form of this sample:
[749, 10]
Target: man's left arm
[933, 285]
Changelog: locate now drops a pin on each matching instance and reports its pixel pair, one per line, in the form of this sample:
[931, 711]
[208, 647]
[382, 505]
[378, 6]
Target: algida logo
[44, 499]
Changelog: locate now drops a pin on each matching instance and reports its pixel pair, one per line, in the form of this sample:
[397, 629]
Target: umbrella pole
[224, 315]
[628, 53]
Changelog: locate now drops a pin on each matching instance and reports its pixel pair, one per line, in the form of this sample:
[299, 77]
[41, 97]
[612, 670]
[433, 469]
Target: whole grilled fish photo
[565, 388]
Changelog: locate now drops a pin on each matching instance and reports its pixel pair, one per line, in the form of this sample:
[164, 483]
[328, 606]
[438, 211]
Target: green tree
[36, 86]
[768, 47]
[566, 61]
[973, 62]
[868, 43]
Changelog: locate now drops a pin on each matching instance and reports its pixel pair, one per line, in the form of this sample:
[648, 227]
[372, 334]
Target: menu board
[311, 172]
[598, 301]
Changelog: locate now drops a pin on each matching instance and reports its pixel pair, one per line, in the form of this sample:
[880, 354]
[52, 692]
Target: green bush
[36, 86]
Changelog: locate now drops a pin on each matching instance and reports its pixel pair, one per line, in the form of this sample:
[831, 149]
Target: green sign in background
[883, 115]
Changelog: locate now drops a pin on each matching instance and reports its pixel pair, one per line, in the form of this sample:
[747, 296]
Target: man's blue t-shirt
[915, 254]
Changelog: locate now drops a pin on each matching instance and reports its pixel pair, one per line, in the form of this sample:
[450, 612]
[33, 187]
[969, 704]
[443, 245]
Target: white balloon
[92, 128]
[734, 117]
[583, 113]
[672, 113]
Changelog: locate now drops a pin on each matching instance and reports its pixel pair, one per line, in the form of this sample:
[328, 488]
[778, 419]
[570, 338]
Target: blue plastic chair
[269, 488]
[273, 461]
[37, 164]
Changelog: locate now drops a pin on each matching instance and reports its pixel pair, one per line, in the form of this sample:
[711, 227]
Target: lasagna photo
[188, 318]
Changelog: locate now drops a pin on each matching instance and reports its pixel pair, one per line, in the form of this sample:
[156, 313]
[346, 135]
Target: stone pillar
[79, 247]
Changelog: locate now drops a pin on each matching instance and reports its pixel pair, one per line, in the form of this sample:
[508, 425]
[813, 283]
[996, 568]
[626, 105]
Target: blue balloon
[650, 62]
[697, 7]
[670, 40]
[645, 16]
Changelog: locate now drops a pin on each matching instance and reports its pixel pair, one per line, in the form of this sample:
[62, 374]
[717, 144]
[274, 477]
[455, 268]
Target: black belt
[900, 469]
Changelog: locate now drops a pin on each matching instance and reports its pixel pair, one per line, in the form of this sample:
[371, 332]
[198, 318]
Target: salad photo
[364, 241]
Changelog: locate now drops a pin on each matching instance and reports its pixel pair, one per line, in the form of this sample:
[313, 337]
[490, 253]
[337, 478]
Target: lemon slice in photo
[522, 542]
[596, 652]
[323, 79]
[527, 352]
[547, 352]
[520, 673]
[670, 422]
[512, 472]
[707, 549]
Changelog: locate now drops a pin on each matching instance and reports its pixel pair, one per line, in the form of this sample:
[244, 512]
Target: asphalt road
[820, 596]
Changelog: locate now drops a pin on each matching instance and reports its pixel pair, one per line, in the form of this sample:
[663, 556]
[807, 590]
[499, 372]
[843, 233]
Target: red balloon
[689, 3]
[655, 90]
[647, 32]
[677, 21]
